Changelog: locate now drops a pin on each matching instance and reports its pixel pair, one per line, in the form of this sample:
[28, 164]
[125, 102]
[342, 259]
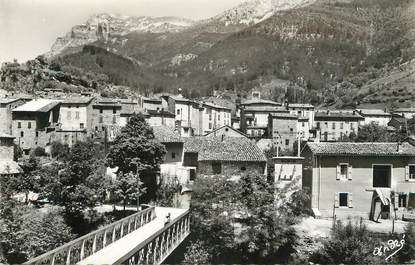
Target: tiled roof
[337, 115]
[9, 167]
[300, 105]
[215, 106]
[8, 100]
[77, 100]
[373, 112]
[4, 135]
[228, 149]
[164, 134]
[38, 105]
[226, 127]
[405, 110]
[265, 108]
[362, 149]
[260, 101]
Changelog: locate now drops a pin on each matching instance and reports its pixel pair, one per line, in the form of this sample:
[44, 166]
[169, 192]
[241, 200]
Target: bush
[39, 151]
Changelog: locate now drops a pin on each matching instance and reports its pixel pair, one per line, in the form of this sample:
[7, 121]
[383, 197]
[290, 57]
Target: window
[243, 168]
[114, 119]
[19, 125]
[352, 126]
[412, 172]
[287, 142]
[402, 200]
[382, 176]
[334, 125]
[81, 125]
[218, 116]
[77, 115]
[96, 128]
[21, 134]
[210, 117]
[29, 125]
[173, 155]
[68, 115]
[341, 125]
[291, 130]
[37, 134]
[216, 168]
[178, 112]
[343, 170]
[318, 125]
[101, 119]
[114, 111]
[210, 126]
[100, 111]
[303, 124]
[343, 199]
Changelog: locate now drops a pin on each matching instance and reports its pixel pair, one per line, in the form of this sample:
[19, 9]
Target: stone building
[7, 165]
[35, 123]
[160, 118]
[6, 107]
[105, 114]
[214, 117]
[377, 116]
[302, 111]
[228, 156]
[283, 129]
[334, 125]
[370, 180]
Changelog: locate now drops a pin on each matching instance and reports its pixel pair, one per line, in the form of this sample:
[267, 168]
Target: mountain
[107, 27]
[323, 52]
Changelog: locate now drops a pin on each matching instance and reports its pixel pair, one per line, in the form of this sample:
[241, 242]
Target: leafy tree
[127, 188]
[197, 253]
[372, 133]
[39, 151]
[166, 193]
[136, 150]
[59, 150]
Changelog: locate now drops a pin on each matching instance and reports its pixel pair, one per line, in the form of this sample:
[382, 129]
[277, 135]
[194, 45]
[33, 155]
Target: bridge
[141, 238]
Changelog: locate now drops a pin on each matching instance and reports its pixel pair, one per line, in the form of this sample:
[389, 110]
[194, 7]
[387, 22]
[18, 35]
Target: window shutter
[350, 200]
[406, 173]
[338, 172]
[336, 200]
[349, 173]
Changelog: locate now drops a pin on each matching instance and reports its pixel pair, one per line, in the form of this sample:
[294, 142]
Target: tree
[135, 150]
[372, 133]
[127, 188]
[59, 150]
[196, 253]
[39, 151]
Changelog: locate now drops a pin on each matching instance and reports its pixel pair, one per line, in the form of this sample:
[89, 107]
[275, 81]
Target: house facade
[7, 164]
[302, 111]
[6, 107]
[35, 123]
[334, 125]
[283, 129]
[408, 113]
[377, 116]
[370, 180]
[188, 115]
[214, 117]
[106, 118]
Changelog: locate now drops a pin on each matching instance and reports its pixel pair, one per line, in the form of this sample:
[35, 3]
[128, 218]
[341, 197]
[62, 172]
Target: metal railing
[161, 244]
[85, 246]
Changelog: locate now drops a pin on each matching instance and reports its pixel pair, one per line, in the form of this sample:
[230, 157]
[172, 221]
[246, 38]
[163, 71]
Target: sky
[28, 28]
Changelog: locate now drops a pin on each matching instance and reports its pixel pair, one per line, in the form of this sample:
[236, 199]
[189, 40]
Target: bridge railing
[155, 249]
[85, 246]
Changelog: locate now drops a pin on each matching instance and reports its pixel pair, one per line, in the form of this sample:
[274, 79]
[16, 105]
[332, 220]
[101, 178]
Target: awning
[384, 195]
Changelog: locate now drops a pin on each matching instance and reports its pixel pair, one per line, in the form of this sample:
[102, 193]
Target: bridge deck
[113, 253]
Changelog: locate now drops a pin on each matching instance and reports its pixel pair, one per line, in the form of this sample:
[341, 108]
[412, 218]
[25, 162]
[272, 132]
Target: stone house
[370, 180]
[105, 115]
[228, 156]
[305, 111]
[334, 125]
[160, 118]
[7, 165]
[398, 123]
[35, 123]
[6, 107]
[377, 116]
[215, 116]
[283, 129]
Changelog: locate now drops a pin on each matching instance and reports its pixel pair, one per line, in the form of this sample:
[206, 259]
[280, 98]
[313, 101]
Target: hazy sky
[29, 27]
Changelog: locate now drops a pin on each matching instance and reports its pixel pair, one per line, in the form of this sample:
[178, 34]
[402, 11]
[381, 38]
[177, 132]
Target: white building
[377, 116]
[214, 117]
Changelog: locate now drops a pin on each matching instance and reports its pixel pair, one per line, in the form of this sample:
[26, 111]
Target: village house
[407, 113]
[227, 131]
[377, 116]
[254, 116]
[75, 118]
[35, 123]
[7, 164]
[106, 119]
[334, 125]
[160, 117]
[6, 107]
[188, 115]
[283, 129]
[215, 116]
[228, 156]
[370, 180]
[151, 103]
[172, 168]
[303, 111]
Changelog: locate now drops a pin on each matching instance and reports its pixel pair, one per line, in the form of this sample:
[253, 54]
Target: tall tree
[127, 188]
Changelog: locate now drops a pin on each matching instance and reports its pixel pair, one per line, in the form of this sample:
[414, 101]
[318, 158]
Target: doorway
[382, 176]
